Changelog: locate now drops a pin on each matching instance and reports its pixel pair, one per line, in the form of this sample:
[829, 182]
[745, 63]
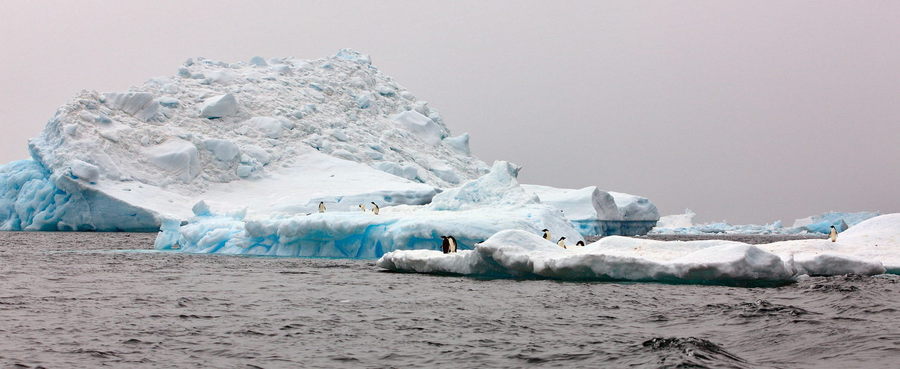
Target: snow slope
[872, 247]
[271, 135]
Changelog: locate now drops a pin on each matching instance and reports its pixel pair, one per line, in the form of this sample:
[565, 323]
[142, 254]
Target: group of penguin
[449, 245]
[562, 240]
[375, 208]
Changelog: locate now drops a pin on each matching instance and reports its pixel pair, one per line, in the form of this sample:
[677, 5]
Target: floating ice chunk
[177, 156]
[355, 234]
[85, 171]
[223, 150]
[822, 223]
[677, 220]
[219, 106]
[138, 104]
[419, 125]
[515, 253]
[459, 143]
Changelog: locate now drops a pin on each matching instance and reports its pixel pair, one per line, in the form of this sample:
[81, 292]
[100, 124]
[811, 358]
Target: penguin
[833, 235]
[362, 208]
[375, 208]
[561, 242]
[453, 246]
[445, 244]
[546, 234]
[321, 206]
[579, 243]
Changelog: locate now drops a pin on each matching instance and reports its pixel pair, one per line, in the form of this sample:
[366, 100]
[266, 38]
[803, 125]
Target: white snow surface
[872, 247]
[248, 134]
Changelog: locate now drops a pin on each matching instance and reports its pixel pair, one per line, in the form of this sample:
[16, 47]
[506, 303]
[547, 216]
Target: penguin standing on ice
[362, 208]
[375, 208]
[453, 246]
[833, 235]
[445, 244]
[579, 243]
[561, 242]
[321, 206]
[546, 234]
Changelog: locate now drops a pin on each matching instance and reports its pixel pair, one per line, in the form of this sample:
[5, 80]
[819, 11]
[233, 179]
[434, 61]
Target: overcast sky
[743, 111]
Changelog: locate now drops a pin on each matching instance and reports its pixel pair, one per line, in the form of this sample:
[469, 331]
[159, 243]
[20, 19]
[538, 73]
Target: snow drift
[872, 247]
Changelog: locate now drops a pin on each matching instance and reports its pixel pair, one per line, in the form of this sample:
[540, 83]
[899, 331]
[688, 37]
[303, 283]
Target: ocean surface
[85, 300]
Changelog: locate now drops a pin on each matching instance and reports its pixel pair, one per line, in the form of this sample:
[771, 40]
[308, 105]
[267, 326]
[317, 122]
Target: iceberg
[269, 136]
[471, 213]
[685, 220]
[817, 224]
[872, 247]
[822, 223]
[600, 213]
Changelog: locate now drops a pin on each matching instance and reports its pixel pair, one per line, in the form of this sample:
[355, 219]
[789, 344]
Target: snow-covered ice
[471, 213]
[683, 224]
[270, 136]
[600, 213]
[872, 247]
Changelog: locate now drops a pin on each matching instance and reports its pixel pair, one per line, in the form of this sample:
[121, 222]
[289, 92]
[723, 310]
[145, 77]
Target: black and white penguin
[579, 243]
[453, 246]
[375, 208]
[362, 208]
[445, 244]
[546, 234]
[561, 242]
[833, 235]
[321, 206]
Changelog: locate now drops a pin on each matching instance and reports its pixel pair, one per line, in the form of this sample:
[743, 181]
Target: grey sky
[745, 111]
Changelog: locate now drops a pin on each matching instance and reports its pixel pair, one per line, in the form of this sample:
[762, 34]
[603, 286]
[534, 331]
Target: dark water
[65, 303]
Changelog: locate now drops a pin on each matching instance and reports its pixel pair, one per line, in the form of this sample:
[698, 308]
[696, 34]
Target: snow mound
[216, 130]
[872, 247]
